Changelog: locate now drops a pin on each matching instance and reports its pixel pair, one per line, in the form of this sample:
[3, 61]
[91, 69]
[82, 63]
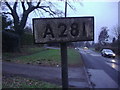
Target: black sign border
[62, 18]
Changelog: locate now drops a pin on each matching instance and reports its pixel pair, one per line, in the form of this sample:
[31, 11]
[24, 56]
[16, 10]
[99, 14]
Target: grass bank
[43, 56]
[37, 56]
[11, 81]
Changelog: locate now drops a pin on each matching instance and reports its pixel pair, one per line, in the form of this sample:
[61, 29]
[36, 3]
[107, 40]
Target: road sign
[70, 29]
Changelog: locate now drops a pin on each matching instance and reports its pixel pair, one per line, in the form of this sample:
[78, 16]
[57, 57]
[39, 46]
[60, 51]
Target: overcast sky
[105, 13]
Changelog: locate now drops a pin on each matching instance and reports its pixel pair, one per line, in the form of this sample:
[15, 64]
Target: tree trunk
[19, 28]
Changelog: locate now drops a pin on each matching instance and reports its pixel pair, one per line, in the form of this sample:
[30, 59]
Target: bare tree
[19, 10]
[27, 8]
[103, 37]
[116, 31]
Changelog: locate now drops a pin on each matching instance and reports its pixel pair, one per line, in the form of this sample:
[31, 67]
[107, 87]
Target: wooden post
[64, 63]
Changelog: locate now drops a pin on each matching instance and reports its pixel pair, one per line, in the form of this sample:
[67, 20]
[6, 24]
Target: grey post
[64, 63]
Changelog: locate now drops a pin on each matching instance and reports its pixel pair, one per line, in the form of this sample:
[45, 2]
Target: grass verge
[42, 56]
[21, 82]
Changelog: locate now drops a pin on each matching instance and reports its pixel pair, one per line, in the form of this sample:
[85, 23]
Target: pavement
[100, 79]
[77, 75]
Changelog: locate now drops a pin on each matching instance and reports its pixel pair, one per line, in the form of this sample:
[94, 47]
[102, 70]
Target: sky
[105, 13]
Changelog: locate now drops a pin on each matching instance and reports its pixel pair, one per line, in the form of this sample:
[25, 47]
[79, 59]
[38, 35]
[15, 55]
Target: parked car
[108, 53]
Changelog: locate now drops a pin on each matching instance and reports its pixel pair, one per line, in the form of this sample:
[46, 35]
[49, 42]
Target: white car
[108, 53]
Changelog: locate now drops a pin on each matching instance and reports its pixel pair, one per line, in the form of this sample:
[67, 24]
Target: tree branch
[38, 3]
[50, 10]
[43, 7]
[7, 13]
[31, 8]
[47, 11]
[29, 3]
[23, 6]
[14, 14]
[15, 5]
[8, 6]
[40, 12]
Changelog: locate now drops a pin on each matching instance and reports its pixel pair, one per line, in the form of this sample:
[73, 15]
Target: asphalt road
[94, 60]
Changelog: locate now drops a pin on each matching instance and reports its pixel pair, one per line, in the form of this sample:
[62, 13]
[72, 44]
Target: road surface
[97, 63]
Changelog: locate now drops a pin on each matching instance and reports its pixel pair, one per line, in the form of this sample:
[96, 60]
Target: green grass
[37, 56]
[47, 57]
[24, 52]
[74, 58]
[33, 49]
[41, 56]
[22, 82]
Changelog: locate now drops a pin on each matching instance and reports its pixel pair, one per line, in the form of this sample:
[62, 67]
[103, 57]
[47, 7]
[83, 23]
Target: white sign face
[70, 29]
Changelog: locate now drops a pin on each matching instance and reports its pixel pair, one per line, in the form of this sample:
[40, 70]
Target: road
[93, 60]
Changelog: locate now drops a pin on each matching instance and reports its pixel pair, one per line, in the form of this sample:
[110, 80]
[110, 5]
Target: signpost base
[64, 65]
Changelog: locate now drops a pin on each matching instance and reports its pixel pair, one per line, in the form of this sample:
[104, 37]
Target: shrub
[10, 41]
[27, 39]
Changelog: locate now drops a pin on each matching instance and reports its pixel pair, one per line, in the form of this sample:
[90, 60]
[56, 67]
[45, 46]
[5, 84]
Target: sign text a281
[70, 29]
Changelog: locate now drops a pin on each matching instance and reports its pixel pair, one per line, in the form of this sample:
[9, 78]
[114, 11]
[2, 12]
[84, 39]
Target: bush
[97, 47]
[10, 41]
[27, 39]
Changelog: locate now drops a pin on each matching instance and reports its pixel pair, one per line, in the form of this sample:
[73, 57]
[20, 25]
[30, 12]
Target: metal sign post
[64, 61]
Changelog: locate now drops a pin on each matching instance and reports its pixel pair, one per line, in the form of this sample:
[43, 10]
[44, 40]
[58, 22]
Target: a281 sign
[70, 29]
